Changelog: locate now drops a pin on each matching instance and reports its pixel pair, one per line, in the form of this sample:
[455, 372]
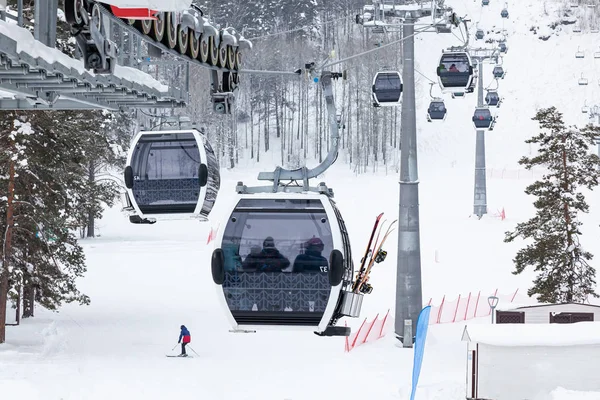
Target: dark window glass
[483, 114]
[437, 107]
[277, 261]
[388, 82]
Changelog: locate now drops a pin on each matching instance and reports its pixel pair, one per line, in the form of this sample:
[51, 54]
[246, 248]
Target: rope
[297, 29]
[420, 30]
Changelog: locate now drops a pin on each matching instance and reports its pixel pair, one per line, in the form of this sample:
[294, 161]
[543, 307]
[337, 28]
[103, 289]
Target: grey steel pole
[409, 300]
[45, 13]
[480, 191]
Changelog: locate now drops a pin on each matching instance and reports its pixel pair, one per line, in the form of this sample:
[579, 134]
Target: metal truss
[35, 75]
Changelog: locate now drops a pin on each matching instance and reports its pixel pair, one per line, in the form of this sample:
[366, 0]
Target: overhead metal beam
[63, 83]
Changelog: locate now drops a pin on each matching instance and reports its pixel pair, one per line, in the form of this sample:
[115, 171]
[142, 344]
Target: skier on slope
[186, 337]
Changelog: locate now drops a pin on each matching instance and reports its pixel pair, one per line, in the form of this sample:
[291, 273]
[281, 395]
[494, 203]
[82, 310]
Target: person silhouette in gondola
[312, 260]
[453, 68]
[269, 259]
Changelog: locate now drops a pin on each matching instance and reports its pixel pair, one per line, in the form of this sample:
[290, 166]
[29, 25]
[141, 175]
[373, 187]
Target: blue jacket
[185, 334]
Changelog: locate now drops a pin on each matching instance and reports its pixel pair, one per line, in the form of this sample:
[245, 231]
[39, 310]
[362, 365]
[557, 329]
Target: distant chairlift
[437, 110]
[483, 119]
[585, 109]
[579, 53]
[577, 28]
[387, 89]
[597, 54]
[583, 81]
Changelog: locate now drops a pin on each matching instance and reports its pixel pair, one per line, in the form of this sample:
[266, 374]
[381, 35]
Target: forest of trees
[285, 114]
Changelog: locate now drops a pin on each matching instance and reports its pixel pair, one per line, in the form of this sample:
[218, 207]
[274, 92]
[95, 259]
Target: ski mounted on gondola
[374, 254]
[185, 33]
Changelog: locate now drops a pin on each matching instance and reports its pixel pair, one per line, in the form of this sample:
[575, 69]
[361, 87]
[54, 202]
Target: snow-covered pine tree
[564, 274]
[44, 259]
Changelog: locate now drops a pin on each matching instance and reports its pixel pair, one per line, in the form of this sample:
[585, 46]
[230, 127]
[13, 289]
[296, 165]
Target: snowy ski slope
[145, 281]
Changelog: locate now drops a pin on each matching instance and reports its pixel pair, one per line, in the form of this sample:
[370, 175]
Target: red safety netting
[369, 331]
[473, 305]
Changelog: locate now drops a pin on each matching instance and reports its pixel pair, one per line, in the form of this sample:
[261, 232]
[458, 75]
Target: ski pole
[193, 350]
[175, 346]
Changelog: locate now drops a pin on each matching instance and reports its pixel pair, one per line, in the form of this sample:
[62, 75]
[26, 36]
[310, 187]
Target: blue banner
[421, 335]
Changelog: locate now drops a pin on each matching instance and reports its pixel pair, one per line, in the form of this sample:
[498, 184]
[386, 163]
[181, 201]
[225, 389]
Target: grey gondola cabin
[387, 89]
[283, 260]
[437, 110]
[455, 71]
[171, 175]
[498, 72]
[483, 119]
[492, 99]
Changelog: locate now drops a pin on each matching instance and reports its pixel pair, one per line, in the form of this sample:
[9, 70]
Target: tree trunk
[7, 249]
[567, 216]
[28, 297]
[91, 226]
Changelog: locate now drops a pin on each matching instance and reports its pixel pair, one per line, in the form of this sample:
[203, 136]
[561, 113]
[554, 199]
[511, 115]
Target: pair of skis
[373, 254]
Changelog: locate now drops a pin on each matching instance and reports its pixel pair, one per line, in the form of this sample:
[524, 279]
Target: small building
[529, 361]
[563, 313]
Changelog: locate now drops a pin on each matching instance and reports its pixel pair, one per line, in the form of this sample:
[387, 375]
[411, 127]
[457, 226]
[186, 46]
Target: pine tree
[564, 274]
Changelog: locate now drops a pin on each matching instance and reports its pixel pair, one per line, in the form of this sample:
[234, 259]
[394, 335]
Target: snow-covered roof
[580, 333]
[521, 306]
[574, 305]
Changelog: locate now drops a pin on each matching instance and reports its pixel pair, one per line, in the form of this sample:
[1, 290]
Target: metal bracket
[304, 173]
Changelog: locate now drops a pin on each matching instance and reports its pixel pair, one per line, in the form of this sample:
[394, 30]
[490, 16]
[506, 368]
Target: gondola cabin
[498, 72]
[483, 119]
[492, 98]
[455, 71]
[502, 47]
[504, 13]
[282, 260]
[479, 34]
[437, 110]
[171, 175]
[485, 2]
[387, 89]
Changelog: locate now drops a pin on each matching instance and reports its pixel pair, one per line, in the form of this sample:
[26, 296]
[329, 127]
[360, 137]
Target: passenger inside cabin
[312, 260]
[269, 259]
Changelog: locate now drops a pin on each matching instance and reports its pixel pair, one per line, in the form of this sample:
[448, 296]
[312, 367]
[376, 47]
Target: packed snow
[145, 281]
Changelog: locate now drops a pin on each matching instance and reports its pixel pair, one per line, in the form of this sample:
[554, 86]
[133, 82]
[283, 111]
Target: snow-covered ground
[145, 281]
